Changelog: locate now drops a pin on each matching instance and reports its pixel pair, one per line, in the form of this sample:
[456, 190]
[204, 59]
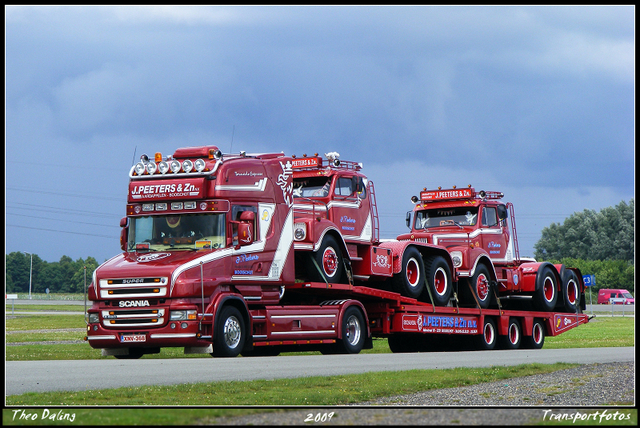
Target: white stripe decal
[257, 186]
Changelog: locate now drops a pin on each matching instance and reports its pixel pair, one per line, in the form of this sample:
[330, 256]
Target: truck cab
[335, 215]
[463, 219]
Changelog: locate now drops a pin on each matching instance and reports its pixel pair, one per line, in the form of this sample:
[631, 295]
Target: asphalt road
[78, 375]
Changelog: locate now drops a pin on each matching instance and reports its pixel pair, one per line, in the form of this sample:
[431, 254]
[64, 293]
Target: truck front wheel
[438, 280]
[410, 281]
[329, 259]
[480, 284]
[353, 331]
[230, 333]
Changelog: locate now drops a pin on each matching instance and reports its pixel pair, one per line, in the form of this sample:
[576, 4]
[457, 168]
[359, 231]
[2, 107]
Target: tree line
[597, 243]
[64, 276]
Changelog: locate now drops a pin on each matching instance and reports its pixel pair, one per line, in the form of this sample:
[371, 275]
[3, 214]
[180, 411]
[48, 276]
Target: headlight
[163, 167]
[152, 168]
[94, 318]
[299, 231]
[199, 165]
[175, 166]
[139, 169]
[187, 166]
[184, 315]
[456, 257]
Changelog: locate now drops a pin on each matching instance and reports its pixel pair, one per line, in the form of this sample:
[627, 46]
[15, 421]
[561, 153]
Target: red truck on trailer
[211, 244]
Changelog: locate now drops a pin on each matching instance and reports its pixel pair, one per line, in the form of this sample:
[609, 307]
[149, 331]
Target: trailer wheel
[438, 280]
[487, 340]
[353, 331]
[230, 333]
[513, 337]
[329, 259]
[536, 340]
[570, 291]
[480, 287]
[410, 281]
[546, 295]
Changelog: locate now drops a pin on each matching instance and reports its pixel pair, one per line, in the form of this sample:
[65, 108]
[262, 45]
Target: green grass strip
[317, 390]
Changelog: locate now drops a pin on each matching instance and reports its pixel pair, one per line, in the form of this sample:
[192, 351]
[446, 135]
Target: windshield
[186, 231]
[627, 295]
[462, 216]
[313, 187]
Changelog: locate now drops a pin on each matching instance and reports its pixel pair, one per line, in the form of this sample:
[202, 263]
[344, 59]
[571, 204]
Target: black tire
[329, 260]
[489, 336]
[438, 280]
[410, 280]
[513, 338]
[536, 340]
[546, 295]
[478, 290]
[229, 333]
[354, 332]
[571, 294]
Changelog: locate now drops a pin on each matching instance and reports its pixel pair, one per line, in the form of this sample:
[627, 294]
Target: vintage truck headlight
[184, 315]
[94, 318]
[299, 231]
[456, 257]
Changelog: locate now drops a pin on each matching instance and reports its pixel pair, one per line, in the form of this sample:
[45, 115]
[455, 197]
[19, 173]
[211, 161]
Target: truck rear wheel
[536, 340]
[546, 295]
[570, 291]
[353, 331]
[230, 333]
[513, 337]
[438, 280]
[329, 260]
[487, 339]
[410, 281]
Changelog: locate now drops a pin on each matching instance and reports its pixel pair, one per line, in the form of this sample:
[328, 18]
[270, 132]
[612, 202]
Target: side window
[236, 212]
[344, 187]
[489, 217]
[361, 188]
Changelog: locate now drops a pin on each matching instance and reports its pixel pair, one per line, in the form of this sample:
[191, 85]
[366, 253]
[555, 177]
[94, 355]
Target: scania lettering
[255, 254]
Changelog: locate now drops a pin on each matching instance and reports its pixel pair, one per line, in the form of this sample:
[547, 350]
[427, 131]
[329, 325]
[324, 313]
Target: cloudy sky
[536, 102]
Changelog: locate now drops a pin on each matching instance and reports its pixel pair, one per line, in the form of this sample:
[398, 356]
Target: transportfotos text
[598, 416]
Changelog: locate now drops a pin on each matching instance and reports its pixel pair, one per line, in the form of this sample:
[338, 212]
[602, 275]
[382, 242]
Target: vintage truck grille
[133, 287]
[133, 318]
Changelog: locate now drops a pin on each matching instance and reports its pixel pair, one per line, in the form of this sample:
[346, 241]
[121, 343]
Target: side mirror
[124, 233]
[245, 233]
[408, 219]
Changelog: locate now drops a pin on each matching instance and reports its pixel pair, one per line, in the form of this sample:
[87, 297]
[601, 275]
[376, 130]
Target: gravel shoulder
[516, 401]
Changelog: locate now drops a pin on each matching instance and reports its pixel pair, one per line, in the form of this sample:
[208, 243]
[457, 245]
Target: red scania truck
[256, 254]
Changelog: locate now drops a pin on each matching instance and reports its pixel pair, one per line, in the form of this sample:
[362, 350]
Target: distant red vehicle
[608, 296]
